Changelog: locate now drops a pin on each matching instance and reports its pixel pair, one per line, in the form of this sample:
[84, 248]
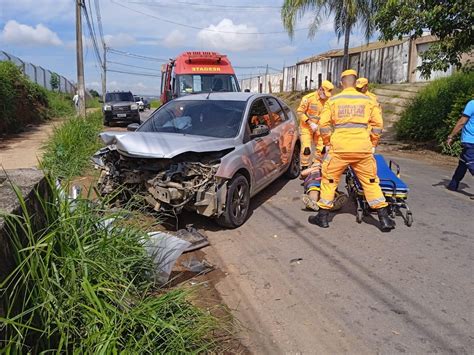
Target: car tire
[237, 204]
[294, 169]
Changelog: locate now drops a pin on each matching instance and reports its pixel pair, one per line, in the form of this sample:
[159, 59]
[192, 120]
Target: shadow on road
[208, 224]
[462, 187]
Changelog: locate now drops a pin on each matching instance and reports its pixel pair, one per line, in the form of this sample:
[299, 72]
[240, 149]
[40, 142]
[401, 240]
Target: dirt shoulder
[23, 150]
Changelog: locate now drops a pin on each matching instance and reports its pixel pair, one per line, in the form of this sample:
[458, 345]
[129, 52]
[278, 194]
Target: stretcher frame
[396, 199]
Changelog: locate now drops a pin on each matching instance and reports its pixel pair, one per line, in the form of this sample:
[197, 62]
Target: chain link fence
[38, 74]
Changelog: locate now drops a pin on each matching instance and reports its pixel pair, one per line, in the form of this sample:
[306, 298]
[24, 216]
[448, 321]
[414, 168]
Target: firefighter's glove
[313, 126]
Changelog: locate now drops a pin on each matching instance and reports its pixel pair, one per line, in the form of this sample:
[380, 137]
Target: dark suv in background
[120, 106]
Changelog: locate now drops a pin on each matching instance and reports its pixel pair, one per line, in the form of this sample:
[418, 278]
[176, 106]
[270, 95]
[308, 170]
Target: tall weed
[68, 151]
[79, 287]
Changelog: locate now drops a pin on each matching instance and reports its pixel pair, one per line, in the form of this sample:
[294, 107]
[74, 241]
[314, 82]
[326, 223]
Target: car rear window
[219, 119]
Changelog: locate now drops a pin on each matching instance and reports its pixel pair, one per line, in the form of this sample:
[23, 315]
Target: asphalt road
[351, 289]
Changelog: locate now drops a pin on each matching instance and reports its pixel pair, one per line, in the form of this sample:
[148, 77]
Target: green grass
[93, 103]
[155, 103]
[68, 151]
[80, 288]
[60, 105]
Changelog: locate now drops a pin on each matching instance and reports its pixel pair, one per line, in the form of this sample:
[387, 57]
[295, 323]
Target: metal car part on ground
[201, 153]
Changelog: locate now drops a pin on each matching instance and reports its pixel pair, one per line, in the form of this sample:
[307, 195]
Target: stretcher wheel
[359, 215]
[409, 219]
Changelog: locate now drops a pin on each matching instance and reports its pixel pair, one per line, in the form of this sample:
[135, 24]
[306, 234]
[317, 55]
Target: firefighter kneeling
[344, 129]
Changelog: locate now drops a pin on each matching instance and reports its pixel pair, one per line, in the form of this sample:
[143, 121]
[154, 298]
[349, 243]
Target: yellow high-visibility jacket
[310, 108]
[345, 120]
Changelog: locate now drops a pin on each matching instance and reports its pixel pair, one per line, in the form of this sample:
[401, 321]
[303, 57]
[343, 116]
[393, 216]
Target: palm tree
[347, 14]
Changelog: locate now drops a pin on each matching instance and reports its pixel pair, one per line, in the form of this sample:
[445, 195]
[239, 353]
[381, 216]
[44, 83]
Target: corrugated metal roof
[340, 52]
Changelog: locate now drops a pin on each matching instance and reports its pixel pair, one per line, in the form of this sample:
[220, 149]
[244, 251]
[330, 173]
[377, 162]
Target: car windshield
[219, 119]
[197, 83]
[118, 96]
[136, 98]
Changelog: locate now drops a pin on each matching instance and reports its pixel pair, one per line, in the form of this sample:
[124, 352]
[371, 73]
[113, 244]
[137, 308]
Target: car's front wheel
[294, 169]
[237, 203]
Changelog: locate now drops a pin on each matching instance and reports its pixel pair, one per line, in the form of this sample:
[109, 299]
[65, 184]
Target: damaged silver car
[208, 152]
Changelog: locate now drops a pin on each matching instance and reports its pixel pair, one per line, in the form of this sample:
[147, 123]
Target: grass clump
[80, 287]
[68, 151]
[60, 104]
[424, 120]
[155, 103]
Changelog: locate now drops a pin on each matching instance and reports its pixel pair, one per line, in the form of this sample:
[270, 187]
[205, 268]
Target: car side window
[258, 115]
[276, 112]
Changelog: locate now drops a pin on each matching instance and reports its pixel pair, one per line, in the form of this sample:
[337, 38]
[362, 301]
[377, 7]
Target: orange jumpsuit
[343, 125]
[309, 110]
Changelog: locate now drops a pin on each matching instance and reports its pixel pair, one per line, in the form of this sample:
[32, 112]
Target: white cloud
[20, 34]
[222, 36]
[286, 50]
[120, 40]
[38, 10]
[175, 39]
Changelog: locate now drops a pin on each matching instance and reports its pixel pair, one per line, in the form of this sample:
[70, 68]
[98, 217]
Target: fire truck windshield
[197, 83]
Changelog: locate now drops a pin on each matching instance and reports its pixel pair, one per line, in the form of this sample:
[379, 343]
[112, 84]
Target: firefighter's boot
[386, 223]
[321, 219]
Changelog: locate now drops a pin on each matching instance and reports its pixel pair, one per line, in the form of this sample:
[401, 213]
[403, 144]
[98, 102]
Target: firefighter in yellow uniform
[343, 126]
[362, 85]
[308, 113]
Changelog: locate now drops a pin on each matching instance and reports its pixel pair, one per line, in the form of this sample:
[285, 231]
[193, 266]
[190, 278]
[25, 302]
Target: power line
[133, 73]
[206, 7]
[92, 35]
[138, 56]
[201, 28]
[133, 66]
[99, 21]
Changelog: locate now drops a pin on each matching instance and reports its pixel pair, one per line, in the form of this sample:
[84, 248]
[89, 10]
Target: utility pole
[104, 73]
[79, 60]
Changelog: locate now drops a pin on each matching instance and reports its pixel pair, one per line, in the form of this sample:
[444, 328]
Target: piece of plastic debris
[197, 266]
[193, 236]
[296, 260]
[164, 249]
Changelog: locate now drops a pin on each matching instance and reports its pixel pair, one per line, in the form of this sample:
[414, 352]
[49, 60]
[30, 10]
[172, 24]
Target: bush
[155, 103]
[68, 151]
[425, 116]
[449, 123]
[82, 288]
[22, 102]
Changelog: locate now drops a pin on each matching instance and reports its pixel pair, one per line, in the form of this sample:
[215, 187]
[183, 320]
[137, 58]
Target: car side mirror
[132, 127]
[260, 131]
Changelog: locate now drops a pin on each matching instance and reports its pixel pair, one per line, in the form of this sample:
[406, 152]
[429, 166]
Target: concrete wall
[391, 64]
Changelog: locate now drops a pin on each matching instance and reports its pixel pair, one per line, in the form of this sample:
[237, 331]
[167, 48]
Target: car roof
[221, 96]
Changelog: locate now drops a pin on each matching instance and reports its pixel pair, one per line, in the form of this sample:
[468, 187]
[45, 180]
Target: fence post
[320, 79]
[270, 87]
[281, 85]
[292, 84]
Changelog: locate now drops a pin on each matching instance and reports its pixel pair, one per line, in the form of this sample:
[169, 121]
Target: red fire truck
[197, 72]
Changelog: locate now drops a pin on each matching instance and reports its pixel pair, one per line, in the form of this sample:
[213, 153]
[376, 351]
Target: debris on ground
[193, 236]
[164, 249]
[201, 267]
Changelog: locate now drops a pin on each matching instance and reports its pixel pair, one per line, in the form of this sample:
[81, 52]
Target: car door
[263, 153]
[282, 133]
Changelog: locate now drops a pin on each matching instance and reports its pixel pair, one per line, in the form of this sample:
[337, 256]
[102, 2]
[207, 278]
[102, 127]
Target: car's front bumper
[122, 116]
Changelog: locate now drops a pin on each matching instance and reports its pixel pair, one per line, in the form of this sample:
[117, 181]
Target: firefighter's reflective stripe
[351, 125]
[325, 130]
[376, 131]
[375, 202]
[355, 97]
[326, 202]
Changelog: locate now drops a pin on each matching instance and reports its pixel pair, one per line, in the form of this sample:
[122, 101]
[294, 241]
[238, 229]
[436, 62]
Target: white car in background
[140, 103]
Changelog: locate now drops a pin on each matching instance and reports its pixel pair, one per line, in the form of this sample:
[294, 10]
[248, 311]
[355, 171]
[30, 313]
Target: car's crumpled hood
[163, 145]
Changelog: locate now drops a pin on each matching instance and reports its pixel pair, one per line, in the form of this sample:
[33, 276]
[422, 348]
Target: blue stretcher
[393, 188]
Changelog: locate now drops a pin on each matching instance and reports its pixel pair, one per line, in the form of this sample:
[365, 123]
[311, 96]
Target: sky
[249, 32]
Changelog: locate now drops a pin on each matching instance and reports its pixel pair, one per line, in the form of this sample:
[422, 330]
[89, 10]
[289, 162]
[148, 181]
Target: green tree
[94, 93]
[450, 20]
[54, 81]
[347, 14]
